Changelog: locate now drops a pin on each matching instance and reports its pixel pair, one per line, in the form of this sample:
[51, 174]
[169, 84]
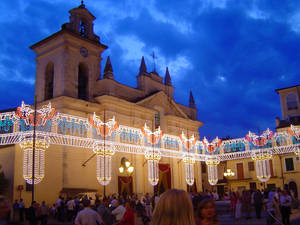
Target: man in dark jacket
[258, 203]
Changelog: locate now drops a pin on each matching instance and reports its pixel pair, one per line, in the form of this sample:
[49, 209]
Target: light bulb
[121, 169]
[127, 164]
[130, 169]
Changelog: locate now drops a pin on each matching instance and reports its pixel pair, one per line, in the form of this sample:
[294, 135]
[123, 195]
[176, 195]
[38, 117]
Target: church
[68, 74]
[89, 133]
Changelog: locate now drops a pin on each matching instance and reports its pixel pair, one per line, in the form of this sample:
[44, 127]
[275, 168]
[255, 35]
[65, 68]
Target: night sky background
[232, 54]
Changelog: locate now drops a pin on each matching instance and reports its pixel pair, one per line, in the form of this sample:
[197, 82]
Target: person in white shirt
[87, 216]
[119, 211]
[285, 202]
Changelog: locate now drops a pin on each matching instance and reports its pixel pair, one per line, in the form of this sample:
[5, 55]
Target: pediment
[161, 100]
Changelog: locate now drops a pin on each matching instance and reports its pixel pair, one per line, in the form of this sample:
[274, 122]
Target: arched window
[82, 82]
[83, 28]
[291, 101]
[49, 79]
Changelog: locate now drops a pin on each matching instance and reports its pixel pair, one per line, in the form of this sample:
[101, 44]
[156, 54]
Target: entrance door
[125, 185]
[293, 187]
[240, 171]
[164, 182]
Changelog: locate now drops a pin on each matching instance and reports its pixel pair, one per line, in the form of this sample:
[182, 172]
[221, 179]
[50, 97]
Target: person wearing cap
[87, 216]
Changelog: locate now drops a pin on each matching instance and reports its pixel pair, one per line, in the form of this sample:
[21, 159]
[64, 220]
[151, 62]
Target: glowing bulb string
[33, 148]
[104, 159]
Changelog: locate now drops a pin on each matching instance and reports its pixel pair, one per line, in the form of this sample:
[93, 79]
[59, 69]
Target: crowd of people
[172, 207]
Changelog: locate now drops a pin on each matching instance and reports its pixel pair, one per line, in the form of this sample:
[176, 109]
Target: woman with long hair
[174, 207]
[206, 213]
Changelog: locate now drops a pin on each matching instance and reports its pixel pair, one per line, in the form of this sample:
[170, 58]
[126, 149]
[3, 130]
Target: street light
[229, 173]
[126, 166]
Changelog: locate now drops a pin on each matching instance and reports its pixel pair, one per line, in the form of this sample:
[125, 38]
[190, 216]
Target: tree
[3, 182]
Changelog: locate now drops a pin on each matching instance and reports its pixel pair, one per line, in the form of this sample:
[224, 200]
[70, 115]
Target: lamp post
[229, 173]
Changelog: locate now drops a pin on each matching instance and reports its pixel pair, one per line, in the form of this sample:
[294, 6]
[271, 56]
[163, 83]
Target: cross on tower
[154, 57]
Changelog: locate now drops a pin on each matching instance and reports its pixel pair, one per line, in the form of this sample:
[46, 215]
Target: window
[157, 120]
[251, 166]
[289, 164]
[82, 82]
[49, 78]
[83, 28]
[240, 171]
[291, 101]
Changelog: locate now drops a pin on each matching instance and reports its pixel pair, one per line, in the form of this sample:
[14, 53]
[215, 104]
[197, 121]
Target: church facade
[68, 75]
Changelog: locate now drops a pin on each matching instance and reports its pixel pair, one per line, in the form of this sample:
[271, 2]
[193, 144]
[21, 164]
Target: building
[285, 167]
[96, 126]
[68, 67]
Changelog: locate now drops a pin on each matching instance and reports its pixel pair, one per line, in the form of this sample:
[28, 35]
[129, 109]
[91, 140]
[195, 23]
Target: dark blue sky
[232, 54]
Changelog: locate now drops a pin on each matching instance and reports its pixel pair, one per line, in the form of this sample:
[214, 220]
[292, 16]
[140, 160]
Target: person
[4, 211]
[44, 213]
[246, 203]
[21, 210]
[285, 202]
[15, 210]
[147, 203]
[31, 214]
[238, 208]
[105, 213]
[233, 203]
[272, 207]
[258, 202]
[128, 218]
[70, 209]
[206, 213]
[59, 208]
[119, 211]
[87, 216]
[174, 207]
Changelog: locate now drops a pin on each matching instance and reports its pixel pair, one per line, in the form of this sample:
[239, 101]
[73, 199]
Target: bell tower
[68, 62]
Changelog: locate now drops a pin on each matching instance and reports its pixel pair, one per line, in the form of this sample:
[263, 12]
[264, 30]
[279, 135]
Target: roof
[295, 120]
[69, 32]
[280, 89]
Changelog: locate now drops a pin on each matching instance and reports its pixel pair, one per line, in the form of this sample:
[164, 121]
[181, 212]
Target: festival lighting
[103, 150]
[152, 154]
[295, 131]
[152, 161]
[189, 162]
[262, 159]
[41, 144]
[79, 132]
[188, 158]
[45, 113]
[212, 169]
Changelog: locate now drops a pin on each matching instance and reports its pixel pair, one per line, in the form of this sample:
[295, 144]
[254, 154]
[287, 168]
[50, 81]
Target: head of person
[207, 210]
[174, 207]
[86, 203]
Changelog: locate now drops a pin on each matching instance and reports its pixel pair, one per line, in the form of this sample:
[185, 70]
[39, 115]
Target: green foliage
[3, 183]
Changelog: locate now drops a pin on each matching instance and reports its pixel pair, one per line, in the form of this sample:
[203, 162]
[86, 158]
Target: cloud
[231, 54]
